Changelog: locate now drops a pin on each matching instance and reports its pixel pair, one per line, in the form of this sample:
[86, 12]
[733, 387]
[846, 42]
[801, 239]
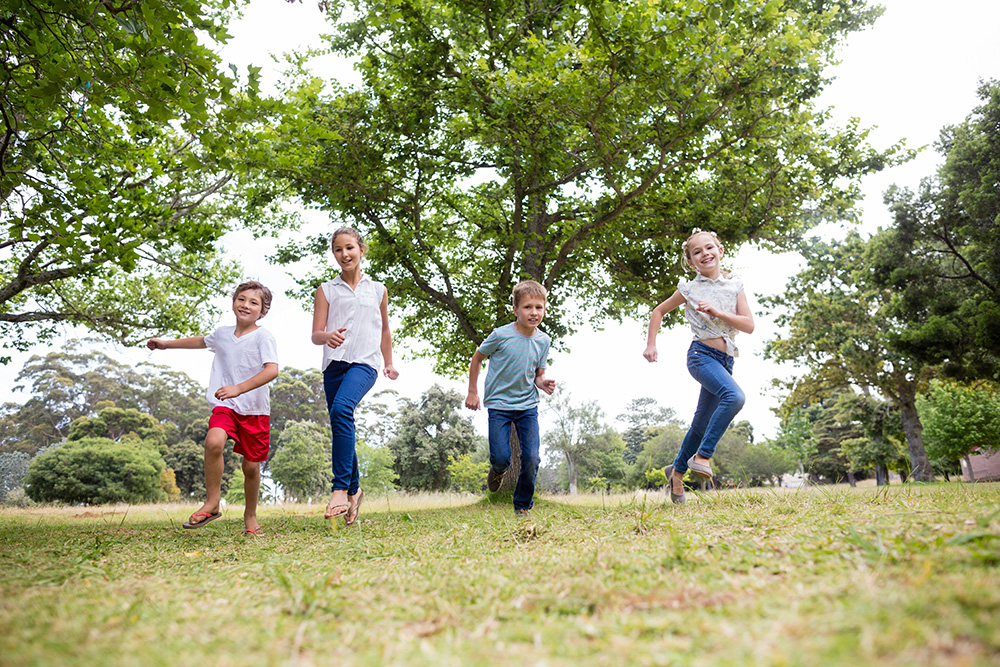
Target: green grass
[901, 576]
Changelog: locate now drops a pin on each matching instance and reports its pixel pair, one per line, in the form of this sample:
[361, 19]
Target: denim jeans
[525, 423]
[345, 385]
[720, 400]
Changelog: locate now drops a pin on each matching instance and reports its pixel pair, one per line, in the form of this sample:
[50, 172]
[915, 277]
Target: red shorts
[252, 433]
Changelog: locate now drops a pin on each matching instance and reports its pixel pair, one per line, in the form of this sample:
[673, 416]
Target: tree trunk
[881, 475]
[850, 479]
[571, 468]
[968, 462]
[921, 468]
[509, 480]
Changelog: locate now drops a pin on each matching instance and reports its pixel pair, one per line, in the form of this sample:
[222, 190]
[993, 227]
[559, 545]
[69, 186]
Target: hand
[229, 391]
[707, 308]
[156, 344]
[472, 401]
[336, 338]
[650, 353]
[548, 386]
[390, 372]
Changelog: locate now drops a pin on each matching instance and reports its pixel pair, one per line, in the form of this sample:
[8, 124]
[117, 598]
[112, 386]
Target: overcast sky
[914, 72]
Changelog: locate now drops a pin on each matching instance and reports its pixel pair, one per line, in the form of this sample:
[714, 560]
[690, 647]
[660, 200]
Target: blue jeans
[345, 385]
[526, 424]
[720, 400]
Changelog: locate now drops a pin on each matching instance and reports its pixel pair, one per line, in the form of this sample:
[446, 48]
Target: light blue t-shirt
[513, 360]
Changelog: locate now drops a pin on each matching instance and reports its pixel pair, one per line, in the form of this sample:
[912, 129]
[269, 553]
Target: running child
[716, 307]
[351, 322]
[518, 354]
[246, 359]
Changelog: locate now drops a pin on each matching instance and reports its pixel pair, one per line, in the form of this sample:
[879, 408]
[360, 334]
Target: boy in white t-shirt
[246, 359]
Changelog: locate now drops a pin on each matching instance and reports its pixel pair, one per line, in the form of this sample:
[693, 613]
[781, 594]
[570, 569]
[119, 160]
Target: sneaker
[493, 479]
[522, 512]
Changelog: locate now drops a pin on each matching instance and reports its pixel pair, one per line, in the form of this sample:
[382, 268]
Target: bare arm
[269, 372]
[193, 343]
[386, 345]
[320, 336]
[741, 320]
[656, 320]
[472, 400]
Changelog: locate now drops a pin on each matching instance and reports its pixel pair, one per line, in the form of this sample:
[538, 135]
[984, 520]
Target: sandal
[676, 498]
[254, 531]
[352, 514]
[209, 517]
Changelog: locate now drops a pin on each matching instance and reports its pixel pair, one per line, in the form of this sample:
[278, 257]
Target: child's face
[703, 254]
[530, 311]
[347, 251]
[248, 306]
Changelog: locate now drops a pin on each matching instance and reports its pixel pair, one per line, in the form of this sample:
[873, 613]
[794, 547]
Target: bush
[97, 470]
[13, 470]
[465, 475]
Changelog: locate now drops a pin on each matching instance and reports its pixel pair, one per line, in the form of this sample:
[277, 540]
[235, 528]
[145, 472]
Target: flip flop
[209, 517]
[352, 514]
[333, 511]
[254, 531]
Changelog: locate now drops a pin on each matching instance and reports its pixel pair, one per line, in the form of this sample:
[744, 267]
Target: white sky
[913, 73]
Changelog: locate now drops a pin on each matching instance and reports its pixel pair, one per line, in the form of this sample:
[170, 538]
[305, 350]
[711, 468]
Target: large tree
[572, 142]
[117, 132]
[942, 258]
[836, 323]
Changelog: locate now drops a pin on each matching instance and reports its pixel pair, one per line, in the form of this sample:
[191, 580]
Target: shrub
[97, 470]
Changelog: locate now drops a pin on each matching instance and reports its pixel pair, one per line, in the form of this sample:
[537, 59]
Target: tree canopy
[117, 132]
[574, 143]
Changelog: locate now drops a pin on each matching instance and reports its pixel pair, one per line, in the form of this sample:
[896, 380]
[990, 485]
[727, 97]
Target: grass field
[904, 575]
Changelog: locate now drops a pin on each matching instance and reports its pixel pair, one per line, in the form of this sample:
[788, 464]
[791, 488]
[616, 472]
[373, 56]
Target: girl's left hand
[391, 372]
[707, 308]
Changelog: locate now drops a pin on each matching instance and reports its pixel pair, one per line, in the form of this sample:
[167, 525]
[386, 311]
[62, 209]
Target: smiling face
[703, 254]
[529, 312]
[248, 306]
[347, 251]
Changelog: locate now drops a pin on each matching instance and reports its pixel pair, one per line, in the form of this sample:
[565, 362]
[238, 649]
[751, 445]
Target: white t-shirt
[359, 310]
[238, 359]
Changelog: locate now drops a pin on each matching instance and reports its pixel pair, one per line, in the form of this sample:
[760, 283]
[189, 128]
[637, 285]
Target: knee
[251, 470]
[736, 399]
[340, 411]
[215, 443]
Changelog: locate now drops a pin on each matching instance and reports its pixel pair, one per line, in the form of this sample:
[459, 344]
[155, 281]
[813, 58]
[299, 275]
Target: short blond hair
[527, 288]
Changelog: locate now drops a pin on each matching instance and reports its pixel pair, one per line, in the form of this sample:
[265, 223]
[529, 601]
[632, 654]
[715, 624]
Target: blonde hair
[353, 233]
[527, 288]
[265, 294]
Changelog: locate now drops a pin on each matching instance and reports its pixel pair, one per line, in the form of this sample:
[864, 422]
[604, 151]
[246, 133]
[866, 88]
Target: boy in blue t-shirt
[518, 353]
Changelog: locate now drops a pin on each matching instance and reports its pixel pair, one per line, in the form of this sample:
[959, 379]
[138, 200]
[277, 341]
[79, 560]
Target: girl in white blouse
[351, 322]
[715, 306]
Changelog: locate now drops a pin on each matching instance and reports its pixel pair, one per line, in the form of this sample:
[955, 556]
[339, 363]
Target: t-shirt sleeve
[490, 345]
[684, 287]
[543, 357]
[268, 349]
[211, 340]
[738, 285]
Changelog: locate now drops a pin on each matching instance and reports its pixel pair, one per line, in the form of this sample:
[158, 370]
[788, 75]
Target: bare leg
[215, 443]
[251, 488]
